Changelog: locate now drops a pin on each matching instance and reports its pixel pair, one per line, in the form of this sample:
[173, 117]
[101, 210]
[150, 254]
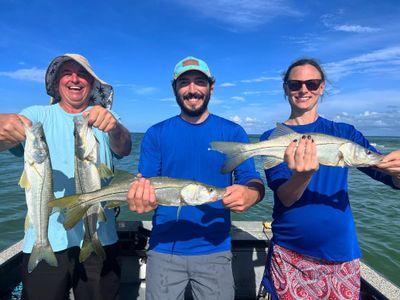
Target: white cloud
[355, 28]
[260, 79]
[145, 90]
[238, 98]
[271, 92]
[250, 120]
[309, 42]
[236, 119]
[376, 61]
[241, 15]
[33, 74]
[168, 99]
[139, 90]
[365, 109]
[331, 22]
[227, 84]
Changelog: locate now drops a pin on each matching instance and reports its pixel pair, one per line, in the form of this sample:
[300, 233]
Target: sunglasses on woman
[311, 84]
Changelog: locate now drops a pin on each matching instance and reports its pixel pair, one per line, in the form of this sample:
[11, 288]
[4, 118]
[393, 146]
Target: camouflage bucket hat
[102, 93]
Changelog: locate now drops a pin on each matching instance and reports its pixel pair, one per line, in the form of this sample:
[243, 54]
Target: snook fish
[169, 192]
[331, 150]
[88, 173]
[38, 183]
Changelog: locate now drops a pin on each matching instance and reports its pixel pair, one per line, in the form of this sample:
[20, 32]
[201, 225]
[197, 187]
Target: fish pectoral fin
[271, 162]
[178, 212]
[342, 161]
[105, 171]
[23, 181]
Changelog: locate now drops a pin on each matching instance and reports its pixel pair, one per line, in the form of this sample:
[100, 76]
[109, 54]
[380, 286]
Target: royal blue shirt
[180, 149]
[320, 224]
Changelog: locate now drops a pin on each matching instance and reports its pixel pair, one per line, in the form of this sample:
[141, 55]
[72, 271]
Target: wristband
[257, 186]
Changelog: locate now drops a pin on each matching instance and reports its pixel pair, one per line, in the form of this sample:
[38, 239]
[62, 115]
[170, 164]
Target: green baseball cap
[192, 63]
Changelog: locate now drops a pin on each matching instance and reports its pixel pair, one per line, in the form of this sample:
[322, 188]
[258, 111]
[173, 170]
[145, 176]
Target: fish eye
[368, 152]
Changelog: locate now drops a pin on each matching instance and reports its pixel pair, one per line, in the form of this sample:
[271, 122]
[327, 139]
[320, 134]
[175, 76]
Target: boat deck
[250, 242]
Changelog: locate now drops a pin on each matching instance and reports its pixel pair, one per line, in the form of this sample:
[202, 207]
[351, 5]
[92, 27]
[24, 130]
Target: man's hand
[104, 120]
[239, 198]
[12, 130]
[101, 118]
[141, 196]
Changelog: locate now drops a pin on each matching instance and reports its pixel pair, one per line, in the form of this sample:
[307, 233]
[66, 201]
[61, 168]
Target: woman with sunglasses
[314, 252]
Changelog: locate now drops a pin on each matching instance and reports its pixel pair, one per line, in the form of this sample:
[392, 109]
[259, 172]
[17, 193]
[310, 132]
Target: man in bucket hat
[75, 90]
[190, 245]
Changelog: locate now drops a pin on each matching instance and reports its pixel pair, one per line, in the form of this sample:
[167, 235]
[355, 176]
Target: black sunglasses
[311, 84]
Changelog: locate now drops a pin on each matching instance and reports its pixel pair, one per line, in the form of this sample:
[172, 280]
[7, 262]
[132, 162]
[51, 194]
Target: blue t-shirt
[320, 224]
[179, 149]
[58, 127]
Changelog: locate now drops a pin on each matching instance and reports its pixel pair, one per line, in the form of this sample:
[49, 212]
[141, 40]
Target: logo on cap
[190, 62]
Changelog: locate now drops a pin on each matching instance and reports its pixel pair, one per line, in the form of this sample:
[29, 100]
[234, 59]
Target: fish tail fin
[40, 253]
[236, 153]
[64, 202]
[105, 171]
[74, 215]
[90, 246]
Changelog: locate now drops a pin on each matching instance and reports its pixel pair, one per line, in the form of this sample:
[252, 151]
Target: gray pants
[210, 276]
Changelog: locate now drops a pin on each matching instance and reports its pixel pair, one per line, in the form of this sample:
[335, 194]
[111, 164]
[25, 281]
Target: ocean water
[376, 207]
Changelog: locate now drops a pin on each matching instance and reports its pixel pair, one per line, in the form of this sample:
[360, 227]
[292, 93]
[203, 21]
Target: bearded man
[191, 245]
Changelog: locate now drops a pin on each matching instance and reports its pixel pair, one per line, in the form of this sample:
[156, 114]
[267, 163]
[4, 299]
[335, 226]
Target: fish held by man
[169, 192]
[38, 183]
[88, 173]
[331, 150]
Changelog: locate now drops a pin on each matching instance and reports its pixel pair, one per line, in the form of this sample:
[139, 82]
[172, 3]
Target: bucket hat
[101, 94]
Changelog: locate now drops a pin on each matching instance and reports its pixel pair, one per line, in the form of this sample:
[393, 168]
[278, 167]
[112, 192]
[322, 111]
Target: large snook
[331, 150]
[169, 192]
[88, 173]
[38, 183]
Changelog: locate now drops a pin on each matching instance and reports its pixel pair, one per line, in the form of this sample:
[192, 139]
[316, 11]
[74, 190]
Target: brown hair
[302, 62]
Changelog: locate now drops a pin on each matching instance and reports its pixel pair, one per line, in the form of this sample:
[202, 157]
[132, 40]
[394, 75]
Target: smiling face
[74, 87]
[304, 100]
[193, 92]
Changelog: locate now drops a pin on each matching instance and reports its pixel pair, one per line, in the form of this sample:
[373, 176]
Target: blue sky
[134, 45]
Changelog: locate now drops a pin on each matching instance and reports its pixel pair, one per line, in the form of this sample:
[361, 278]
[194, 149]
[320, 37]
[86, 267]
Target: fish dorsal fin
[121, 175]
[281, 130]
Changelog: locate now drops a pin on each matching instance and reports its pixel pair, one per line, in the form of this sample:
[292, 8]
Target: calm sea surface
[376, 208]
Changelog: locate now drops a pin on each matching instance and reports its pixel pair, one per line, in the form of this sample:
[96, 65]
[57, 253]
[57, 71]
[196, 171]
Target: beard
[180, 99]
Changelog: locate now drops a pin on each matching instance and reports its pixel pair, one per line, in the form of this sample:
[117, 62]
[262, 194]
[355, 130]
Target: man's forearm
[120, 140]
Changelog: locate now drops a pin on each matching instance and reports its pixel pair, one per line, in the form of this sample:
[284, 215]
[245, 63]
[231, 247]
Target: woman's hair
[302, 62]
